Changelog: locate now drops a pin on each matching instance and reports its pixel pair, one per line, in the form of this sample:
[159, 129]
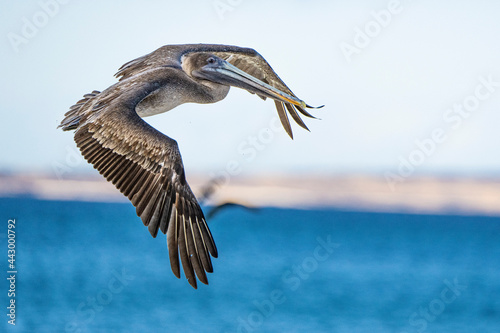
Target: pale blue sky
[394, 84]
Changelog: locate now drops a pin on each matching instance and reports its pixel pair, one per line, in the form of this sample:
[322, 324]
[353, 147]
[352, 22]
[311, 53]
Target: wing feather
[295, 116]
[202, 247]
[158, 206]
[258, 67]
[146, 166]
[284, 118]
[183, 246]
[165, 217]
[192, 246]
[172, 242]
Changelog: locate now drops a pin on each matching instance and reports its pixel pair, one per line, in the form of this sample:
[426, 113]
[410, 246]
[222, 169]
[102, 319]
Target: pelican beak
[225, 73]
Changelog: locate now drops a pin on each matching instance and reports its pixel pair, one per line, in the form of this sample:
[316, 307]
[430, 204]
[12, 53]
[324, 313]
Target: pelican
[146, 165]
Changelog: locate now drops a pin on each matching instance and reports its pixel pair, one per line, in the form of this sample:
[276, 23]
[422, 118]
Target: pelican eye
[211, 60]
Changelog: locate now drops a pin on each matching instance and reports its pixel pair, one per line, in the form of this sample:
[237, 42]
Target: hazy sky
[409, 87]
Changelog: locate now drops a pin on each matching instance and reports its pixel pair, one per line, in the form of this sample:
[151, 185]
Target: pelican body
[146, 165]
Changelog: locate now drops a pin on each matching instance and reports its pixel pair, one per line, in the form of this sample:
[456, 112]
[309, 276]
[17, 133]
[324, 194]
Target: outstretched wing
[146, 166]
[246, 59]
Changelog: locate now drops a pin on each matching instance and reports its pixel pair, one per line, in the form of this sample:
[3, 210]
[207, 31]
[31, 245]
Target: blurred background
[401, 171]
[382, 93]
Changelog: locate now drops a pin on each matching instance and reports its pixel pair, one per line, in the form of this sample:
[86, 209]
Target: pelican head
[206, 66]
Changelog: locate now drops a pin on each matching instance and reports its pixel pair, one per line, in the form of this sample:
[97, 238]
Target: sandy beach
[359, 193]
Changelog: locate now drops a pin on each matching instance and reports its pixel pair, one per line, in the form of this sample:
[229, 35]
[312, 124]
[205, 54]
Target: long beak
[231, 75]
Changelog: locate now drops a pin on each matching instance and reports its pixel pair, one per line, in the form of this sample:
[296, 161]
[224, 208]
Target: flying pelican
[146, 165]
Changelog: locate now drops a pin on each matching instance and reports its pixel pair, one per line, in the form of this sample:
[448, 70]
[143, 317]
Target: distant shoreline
[425, 195]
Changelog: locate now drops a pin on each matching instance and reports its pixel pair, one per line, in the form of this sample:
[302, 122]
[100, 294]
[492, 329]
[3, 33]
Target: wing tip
[193, 283]
[314, 107]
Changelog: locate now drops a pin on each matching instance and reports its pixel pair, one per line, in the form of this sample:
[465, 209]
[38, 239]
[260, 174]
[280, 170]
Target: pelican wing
[254, 64]
[146, 166]
[246, 59]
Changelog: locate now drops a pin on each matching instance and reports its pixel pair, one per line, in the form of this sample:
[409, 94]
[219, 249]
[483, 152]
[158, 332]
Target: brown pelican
[146, 165]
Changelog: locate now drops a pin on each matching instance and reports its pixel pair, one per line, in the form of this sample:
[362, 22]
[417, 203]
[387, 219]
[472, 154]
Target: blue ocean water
[93, 267]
